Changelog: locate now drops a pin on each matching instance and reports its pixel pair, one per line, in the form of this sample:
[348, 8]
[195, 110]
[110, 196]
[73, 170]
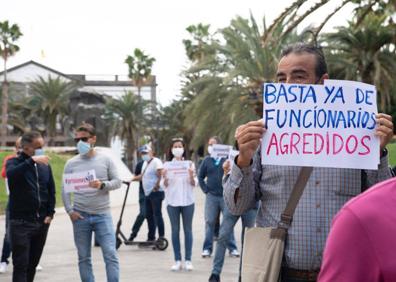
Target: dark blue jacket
[138, 171]
[32, 189]
[212, 170]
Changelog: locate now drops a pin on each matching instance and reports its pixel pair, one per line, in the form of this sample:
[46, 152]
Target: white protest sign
[175, 169]
[220, 151]
[79, 181]
[233, 154]
[330, 125]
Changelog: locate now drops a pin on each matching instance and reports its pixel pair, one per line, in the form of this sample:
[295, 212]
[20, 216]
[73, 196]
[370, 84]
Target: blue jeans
[213, 206]
[6, 250]
[154, 214]
[102, 225]
[226, 228]
[186, 213]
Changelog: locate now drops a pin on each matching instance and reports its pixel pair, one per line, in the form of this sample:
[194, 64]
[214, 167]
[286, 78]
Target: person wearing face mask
[31, 205]
[154, 194]
[90, 210]
[142, 207]
[210, 177]
[179, 196]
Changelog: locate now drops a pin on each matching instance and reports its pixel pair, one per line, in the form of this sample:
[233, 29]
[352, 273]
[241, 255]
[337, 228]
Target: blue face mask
[39, 152]
[83, 147]
[145, 157]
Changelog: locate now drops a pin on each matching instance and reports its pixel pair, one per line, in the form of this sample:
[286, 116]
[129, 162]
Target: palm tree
[17, 109]
[139, 71]
[127, 121]
[217, 110]
[223, 85]
[197, 46]
[50, 100]
[172, 125]
[365, 53]
[8, 35]
[227, 89]
[292, 16]
[139, 68]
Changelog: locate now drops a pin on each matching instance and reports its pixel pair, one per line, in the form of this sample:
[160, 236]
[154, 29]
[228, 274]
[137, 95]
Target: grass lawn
[57, 163]
[392, 154]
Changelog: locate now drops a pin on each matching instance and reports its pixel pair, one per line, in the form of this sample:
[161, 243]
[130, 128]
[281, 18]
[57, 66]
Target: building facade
[91, 94]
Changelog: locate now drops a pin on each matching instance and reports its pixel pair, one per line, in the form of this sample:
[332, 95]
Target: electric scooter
[159, 244]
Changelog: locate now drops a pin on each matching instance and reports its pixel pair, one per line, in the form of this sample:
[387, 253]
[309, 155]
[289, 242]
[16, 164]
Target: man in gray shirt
[326, 191]
[91, 209]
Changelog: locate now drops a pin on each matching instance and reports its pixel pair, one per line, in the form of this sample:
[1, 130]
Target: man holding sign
[90, 176]
[254, 177]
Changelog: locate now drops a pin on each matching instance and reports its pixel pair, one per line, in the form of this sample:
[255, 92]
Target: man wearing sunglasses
[31, 205]
[90, 211]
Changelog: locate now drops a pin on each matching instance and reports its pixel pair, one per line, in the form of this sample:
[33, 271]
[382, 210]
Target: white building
[112, 85]
[22, 75]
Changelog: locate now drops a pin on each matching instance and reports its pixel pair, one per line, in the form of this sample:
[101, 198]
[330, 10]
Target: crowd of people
[359, 245]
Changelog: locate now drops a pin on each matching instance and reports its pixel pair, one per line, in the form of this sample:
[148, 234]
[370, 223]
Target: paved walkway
[59, 259]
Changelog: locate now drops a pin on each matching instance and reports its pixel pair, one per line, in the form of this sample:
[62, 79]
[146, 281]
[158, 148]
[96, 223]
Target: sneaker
[206, 254]
[188, 265]
[177, 266]
[214, 278]
[234, 254]
[39, 268]
[3, 267]
[132, 237]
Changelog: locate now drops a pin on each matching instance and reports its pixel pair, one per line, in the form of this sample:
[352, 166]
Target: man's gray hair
[300, 47]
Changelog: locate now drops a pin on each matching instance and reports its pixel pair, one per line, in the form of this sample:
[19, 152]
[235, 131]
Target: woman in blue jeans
[179, 181]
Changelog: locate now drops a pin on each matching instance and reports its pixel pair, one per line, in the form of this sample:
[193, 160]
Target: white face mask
[146, 157]
[178, 152]
[210, 149]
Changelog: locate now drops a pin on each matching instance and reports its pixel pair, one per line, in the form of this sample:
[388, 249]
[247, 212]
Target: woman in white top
[179, 182]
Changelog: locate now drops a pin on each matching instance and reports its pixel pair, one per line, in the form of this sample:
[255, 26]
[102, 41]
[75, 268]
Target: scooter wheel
[118, 242]
[161, 244]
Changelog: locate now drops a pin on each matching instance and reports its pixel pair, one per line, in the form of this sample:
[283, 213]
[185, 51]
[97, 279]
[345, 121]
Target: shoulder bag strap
[298, 189]
[148, 163]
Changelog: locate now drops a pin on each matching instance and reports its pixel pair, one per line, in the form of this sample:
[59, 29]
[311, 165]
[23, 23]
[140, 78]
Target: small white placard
[233, 154]
[78, 181]
[221, 151]
[175, 169]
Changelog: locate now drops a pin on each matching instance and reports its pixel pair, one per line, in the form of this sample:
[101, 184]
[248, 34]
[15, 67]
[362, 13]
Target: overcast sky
[94, 36]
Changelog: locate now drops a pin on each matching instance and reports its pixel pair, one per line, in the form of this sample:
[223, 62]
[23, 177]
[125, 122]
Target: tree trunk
[129, 150]
[52, 129]
[140, 113]
[4, 107]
